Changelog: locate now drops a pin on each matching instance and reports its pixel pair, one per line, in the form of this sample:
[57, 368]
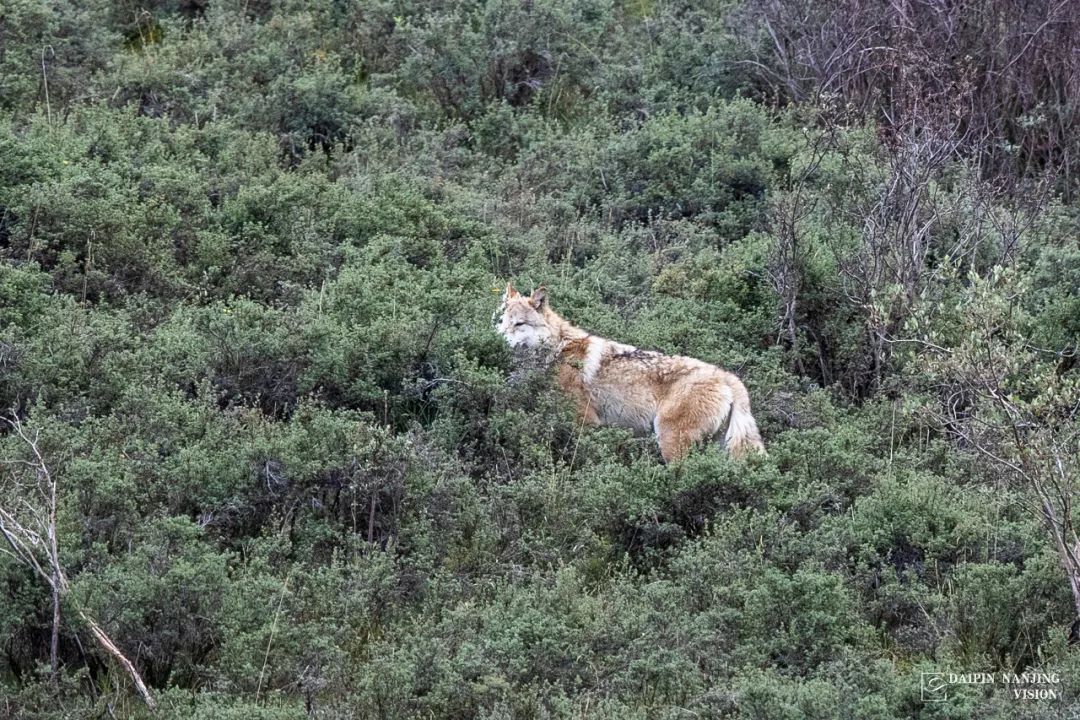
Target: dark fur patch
[636, 354]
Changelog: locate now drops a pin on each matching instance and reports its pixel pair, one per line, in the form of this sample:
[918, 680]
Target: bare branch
[39, 549]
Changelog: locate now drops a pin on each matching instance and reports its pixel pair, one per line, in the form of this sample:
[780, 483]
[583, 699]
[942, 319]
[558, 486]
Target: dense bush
[249, 254]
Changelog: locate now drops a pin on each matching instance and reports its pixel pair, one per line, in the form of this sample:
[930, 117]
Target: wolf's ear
[538, 298]
[510, 292]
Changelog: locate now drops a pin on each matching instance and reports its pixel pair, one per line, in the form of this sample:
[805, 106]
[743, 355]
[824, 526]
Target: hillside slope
[249, 254]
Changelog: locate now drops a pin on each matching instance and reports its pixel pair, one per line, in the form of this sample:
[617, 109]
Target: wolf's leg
[673, 440]
[691, 414]
[678, 426]
[586, 412]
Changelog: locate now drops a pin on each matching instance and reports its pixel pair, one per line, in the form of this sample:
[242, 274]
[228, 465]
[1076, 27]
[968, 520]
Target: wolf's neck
[563, 330]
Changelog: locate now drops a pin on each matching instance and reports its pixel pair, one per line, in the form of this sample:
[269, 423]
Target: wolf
[682, 400]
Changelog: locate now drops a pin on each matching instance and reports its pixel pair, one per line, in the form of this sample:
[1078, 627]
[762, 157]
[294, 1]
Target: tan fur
[681, 399]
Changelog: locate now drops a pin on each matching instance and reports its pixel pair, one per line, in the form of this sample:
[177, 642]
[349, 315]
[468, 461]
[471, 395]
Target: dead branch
[39, 550]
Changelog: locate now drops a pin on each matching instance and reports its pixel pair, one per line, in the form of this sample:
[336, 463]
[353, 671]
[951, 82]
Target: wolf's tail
[742, 436]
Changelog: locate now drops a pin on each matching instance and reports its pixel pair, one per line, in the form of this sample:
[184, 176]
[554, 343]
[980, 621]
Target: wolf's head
[522, 320]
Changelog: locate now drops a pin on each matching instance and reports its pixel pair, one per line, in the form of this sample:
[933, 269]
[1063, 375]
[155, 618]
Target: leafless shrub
[1006, 73]
[1002, 401]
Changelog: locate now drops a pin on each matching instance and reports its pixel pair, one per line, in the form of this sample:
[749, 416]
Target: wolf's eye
[519, 323]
